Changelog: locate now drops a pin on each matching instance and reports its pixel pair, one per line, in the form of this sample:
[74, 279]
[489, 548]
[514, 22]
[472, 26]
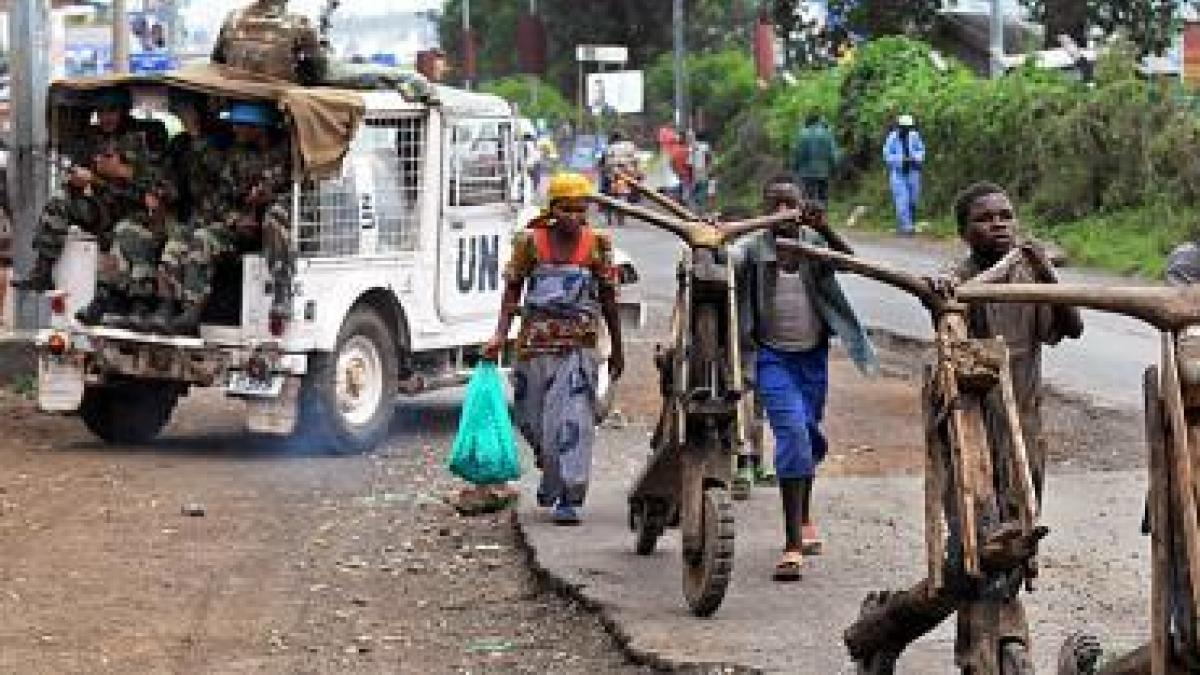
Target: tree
[807, 43]
[546, 103]
[1149, 24]
[644, 26]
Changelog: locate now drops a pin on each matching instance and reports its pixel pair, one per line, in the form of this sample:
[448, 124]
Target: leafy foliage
[719, 85]
[1150, 24]
[806, 43]
[644, 26]
[1065, 151]
[545, 103]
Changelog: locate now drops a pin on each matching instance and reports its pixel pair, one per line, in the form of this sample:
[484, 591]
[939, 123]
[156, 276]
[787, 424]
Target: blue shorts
[793, 387]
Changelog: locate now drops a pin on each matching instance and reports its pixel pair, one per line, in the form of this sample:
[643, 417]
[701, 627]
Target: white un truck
[402, 208]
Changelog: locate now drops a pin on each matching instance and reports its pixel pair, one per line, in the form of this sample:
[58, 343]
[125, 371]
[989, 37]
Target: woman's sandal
[789, 567]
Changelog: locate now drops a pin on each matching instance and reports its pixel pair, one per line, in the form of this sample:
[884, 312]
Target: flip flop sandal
[790, 567]
[811, 545]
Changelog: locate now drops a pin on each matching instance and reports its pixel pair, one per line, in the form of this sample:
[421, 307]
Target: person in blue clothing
[904, 153]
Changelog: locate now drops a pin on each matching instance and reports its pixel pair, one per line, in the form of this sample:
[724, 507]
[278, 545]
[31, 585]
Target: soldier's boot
[187, 322]
[103, 305]
[160, 320]
[40, 279]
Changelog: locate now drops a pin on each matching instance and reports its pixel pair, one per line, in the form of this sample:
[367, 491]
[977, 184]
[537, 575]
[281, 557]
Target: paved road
[875, 540]
[1107, 365]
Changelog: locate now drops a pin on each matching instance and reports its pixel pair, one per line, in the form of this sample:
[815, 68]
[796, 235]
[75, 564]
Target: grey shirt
[796, 326]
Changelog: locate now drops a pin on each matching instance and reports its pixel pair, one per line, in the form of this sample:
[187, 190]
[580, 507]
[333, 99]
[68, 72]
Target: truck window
[375, 206]
[480, 162]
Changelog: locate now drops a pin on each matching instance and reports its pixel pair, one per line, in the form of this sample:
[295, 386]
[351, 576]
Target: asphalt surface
[1094, 574]
[1094, 567]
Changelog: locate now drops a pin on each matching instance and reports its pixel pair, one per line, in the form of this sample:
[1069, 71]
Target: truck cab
[402, 211]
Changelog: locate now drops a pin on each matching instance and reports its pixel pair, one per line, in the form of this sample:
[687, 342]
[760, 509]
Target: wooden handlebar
[1165, 307]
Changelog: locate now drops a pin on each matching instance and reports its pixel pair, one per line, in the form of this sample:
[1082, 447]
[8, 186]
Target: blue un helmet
[250, 114]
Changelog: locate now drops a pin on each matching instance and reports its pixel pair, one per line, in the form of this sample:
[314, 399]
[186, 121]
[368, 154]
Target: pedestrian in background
[660, 174]
[701, 161]
[904, 153]
[754, 466]
[815, 158]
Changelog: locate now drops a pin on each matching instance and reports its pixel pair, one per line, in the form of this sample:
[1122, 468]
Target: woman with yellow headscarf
[562, 281]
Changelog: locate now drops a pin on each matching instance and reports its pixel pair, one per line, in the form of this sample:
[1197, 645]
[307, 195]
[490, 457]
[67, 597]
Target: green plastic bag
[485, 452]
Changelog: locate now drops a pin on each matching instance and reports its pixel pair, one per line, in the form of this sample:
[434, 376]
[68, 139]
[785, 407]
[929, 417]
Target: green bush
[1111, 162]
[547, 104]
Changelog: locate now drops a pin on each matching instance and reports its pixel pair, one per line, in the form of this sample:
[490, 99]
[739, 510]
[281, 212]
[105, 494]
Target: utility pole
[996, 39]
[468, 45]
[174, 29]
[120, 36]
[28, 182]
[534, 77]
[681, 117]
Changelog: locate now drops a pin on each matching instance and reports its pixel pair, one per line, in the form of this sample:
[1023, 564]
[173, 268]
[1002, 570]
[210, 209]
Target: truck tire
[347, 400]
[132, 412]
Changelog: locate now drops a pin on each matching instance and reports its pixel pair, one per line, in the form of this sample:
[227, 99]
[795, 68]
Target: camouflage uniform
[107, 203]
[220, 211]
[138, 244]
[197, 164]
[264, 38]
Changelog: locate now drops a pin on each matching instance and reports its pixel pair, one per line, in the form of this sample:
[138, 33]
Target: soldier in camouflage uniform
[194, 158]
[129, 272]
[110, 177]
[246, 212]
[264, 38]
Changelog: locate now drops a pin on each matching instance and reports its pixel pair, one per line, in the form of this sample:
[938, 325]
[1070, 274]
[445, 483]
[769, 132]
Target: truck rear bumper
[71, 360]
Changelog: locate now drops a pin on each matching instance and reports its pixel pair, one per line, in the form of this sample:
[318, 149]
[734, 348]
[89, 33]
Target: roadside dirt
[301, 564]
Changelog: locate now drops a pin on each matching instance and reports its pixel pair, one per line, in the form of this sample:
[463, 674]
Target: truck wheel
[128, 412]
[348, 397]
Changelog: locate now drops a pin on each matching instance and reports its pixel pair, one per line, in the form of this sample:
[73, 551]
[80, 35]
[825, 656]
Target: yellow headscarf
[568, 185]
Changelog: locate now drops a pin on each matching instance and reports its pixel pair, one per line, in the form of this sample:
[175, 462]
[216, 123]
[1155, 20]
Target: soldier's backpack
[265, 44]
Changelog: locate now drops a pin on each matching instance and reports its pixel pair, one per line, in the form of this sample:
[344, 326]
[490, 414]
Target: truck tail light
[277, 324]
[57, 344]
[58, 303]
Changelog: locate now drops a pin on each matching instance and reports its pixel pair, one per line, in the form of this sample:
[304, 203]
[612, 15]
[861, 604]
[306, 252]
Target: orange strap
[583, 250]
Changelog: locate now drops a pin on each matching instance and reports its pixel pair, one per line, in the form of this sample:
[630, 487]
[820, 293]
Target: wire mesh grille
[480, 158]
[375, 205]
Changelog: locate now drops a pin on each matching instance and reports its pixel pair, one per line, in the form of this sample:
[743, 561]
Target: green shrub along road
[1110, 171]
